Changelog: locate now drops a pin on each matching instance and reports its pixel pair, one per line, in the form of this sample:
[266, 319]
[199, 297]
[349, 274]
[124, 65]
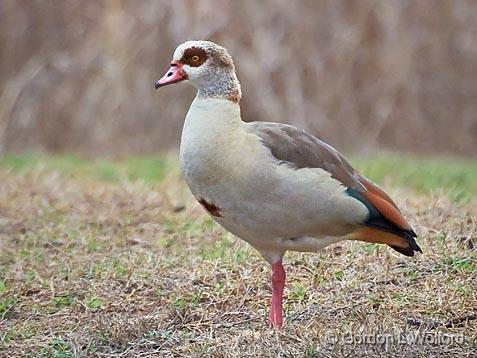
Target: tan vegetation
[78, 75]
[123, 268]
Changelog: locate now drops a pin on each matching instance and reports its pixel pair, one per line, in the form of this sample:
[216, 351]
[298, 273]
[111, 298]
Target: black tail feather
[408, 235]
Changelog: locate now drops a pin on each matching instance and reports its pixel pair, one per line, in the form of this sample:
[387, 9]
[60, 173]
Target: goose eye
[195, 58]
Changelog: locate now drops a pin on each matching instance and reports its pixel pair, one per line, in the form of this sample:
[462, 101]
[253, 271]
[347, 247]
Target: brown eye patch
[194, 57]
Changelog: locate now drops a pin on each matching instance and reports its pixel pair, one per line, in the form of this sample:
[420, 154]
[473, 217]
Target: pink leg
[275, 319]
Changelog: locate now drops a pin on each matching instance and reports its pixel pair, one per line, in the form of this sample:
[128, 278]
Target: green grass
[93, 303]
[425, 175]
[298, 292]
[5, 305]
[150, 169]
[459, 263]
[455, 176]
[57, 348]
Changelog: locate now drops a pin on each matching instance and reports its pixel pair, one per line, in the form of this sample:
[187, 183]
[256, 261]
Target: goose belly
[264, 202]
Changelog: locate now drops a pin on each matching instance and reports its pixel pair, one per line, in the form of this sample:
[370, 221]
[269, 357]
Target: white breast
[210, 138]
[259, 201]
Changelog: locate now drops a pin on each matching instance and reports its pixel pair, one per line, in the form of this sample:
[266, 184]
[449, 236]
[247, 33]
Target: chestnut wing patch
[213, 209]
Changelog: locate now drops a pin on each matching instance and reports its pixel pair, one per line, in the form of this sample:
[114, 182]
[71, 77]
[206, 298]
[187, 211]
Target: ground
[115, 258]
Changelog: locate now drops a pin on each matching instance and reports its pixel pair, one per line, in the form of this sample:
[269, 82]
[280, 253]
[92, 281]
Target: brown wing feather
[377, 190]
[300, 149]
[387, 209]
[369, 234]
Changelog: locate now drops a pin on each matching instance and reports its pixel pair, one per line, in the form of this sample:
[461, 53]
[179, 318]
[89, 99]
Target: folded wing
[296, 148]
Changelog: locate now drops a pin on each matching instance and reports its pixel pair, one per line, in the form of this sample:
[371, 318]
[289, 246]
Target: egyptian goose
[272, 185]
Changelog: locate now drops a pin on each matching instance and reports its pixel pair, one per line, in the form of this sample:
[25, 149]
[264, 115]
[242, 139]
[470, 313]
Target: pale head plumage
[213, 74]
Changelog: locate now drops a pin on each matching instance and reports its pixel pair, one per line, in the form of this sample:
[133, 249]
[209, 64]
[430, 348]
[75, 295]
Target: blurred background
[78, 76]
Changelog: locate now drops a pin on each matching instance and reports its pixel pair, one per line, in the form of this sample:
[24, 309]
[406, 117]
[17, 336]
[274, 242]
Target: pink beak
[173, 75]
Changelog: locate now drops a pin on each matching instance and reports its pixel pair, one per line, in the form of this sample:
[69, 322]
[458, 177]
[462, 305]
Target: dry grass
[123, 268]
[78, 75]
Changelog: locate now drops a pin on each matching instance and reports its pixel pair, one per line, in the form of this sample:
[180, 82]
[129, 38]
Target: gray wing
[302, 150]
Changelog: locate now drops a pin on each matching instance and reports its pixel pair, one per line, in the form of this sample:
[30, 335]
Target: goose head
[207, 66]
